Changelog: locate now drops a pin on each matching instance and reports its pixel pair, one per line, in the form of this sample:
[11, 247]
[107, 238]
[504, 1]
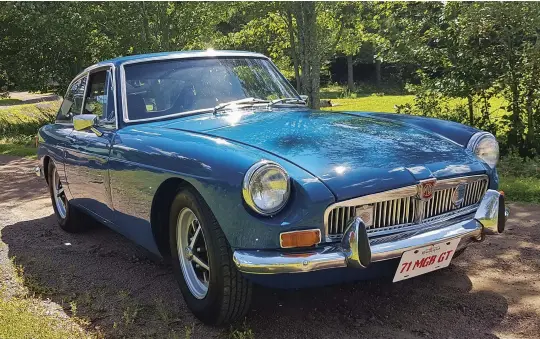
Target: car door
[87, 158]
[59, 132]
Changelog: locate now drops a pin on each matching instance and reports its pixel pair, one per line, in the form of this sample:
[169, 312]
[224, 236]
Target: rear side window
[72, 104]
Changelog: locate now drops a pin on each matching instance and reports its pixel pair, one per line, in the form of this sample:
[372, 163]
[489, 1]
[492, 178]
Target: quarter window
[99, 99]
[72, 104]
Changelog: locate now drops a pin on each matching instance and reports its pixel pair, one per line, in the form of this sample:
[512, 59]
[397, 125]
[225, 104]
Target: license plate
[426, 259]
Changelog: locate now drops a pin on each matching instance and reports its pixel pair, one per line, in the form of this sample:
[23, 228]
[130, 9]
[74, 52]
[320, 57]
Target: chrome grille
[442, 199]
[400, 209]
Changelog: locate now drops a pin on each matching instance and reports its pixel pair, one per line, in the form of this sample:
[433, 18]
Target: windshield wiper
[287, 101]
[244, 101]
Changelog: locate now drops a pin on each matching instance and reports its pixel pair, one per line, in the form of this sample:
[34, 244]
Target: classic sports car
[212, 160]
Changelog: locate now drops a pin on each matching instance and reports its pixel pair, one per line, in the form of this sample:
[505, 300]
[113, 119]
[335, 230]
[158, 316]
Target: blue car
[212, 160]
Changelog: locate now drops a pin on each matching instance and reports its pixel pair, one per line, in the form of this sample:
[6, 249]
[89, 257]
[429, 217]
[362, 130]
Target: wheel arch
[46, 161]
[160, 210]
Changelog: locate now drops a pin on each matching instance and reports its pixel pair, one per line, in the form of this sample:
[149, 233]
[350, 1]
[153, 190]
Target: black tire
[73, 222]
[229, 293]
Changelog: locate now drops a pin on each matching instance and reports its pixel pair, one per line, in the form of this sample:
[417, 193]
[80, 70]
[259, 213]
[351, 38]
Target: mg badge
[459, 194]
[426, 188]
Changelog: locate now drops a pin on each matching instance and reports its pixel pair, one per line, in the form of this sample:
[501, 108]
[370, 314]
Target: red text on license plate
[426, 259]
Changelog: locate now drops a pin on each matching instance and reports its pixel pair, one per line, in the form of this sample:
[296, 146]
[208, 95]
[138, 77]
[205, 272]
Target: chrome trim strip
[199, 54]
[273, 262]
[398, 193]
[348, 252]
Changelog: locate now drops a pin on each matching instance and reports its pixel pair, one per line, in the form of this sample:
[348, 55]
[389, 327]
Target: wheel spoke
[195, 236]
[205, 277]
[192, 225]
[200, 262]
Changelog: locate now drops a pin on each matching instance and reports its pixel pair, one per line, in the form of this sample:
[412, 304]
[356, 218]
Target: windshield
[160, 88]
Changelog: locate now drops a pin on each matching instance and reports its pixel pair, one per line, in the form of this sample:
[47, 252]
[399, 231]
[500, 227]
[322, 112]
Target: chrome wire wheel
[59, 195]
[192, 253]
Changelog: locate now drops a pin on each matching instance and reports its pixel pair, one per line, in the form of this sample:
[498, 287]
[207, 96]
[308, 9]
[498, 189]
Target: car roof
[178, 54]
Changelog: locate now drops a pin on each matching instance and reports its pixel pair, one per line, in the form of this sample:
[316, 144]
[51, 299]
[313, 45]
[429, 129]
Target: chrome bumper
[357, 250]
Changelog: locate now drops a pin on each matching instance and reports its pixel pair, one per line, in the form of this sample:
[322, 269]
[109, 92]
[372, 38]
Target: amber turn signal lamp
[501, 192]
[303, 238]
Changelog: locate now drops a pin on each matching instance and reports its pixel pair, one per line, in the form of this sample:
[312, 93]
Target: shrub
[24, 120]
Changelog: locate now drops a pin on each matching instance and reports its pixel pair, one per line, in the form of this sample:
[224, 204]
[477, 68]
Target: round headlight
[485, 146]
[266, 187]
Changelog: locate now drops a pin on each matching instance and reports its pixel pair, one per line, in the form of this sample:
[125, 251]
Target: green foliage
[61, 39]
[520, 178]
[476, 51]
[471, 53]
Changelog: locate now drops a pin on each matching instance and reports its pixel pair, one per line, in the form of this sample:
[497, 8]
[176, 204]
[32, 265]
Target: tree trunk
[306, 21]
[378, 72]
[294, 51]
[515, 122]
[146, 32]
[350, 75]
[165, 42]
[471, 109]
[530, 118]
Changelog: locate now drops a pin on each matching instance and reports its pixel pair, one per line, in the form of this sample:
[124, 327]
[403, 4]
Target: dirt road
[492, 291]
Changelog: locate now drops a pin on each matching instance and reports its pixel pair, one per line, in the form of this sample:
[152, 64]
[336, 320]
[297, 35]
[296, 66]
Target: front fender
[142, 158]
[454, 131]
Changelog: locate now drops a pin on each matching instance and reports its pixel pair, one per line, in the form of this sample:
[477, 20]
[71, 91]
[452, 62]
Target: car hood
[353, 153]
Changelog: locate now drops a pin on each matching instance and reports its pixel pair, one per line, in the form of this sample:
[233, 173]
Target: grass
[19, 125]
[372, 103]
[8, 147]
[520, 178]
[521, 189]
[23, 313]
[25, 318]
[7, 102]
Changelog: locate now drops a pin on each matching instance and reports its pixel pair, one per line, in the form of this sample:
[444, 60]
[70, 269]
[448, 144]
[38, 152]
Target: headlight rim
[246, 191]
[474, 142]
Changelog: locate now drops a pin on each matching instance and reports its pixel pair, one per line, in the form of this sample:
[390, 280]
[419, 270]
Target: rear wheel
[69, 218]
[214, 290]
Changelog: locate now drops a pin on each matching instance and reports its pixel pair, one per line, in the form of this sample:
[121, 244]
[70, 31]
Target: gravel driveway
[492, 291]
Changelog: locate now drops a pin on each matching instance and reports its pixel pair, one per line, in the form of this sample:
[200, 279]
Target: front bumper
[357, 250]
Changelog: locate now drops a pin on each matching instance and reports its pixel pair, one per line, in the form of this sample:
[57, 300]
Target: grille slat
[401, 212]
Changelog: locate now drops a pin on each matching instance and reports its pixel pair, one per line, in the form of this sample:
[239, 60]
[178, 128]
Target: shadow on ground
[122, 292]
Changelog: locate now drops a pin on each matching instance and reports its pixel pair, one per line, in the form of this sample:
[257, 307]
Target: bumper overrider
[358, 251]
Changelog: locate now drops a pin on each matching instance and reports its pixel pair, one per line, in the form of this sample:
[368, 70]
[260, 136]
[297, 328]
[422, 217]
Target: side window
[99, 98]
[72, 104]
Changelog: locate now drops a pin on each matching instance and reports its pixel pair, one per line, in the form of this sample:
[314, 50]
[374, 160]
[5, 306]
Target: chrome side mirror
[86, 121]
